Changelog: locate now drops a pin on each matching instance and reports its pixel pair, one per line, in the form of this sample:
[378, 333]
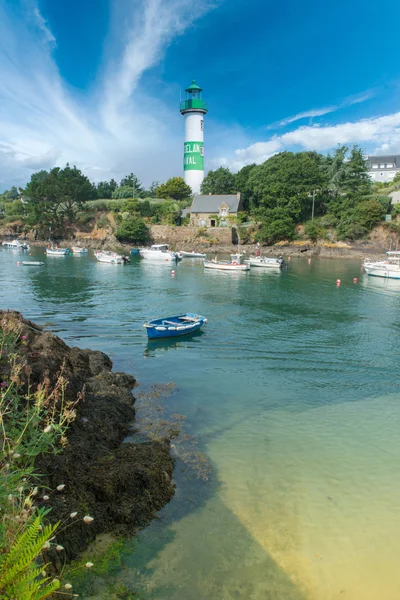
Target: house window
[374, 166]
[391, 173]
[212, 222]
[381, 166]
[389, 166]
[222, 212]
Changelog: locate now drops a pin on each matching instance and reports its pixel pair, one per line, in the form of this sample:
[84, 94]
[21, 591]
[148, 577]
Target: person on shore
[258, 249]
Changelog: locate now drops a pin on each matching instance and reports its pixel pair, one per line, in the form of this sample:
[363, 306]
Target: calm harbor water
[292, 392]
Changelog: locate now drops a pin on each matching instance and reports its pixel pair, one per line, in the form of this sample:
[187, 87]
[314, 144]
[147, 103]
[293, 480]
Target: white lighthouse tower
[193, 109]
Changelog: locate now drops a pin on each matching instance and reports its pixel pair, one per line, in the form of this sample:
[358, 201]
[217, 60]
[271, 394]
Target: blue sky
[97, 82]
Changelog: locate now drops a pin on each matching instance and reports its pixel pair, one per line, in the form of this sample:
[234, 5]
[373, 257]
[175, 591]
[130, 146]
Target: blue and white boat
[174, 326]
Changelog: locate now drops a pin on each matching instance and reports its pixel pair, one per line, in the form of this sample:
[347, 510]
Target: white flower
[17, 455]
[34, 491]
[59, 548]
[20, 489]
[44, 573]
[46, 546]
[55, 581]
[87, 519]
[47, 429]
[10, 497]
[46, 498]
[89, 565]
[61, 487]
[68, 586]
[73, 515]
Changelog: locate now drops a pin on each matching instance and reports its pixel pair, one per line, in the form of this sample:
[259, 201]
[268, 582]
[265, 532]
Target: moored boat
[16, 245]
[192, 254]
[32, 263]
[174, 326]
[105, 256]
[389, 268]
[54, 251]
[79, 250]
[235, 264]
[159, 252]
[266, 262]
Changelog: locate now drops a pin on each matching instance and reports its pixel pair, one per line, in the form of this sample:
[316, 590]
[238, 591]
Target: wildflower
[17, 455]
[68, 586]
[89, 565]
[34, 491]
[46, 498]
[20, 489]
[46, 546]
[24, 337]
[87, 519]
[73, 515]
[61, 487]
[4, 384]
[47, 429]
[55, 581]
[43, 573]
[59, 548]
[10, 497]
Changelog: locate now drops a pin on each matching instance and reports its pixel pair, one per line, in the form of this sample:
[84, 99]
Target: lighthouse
[193, 109]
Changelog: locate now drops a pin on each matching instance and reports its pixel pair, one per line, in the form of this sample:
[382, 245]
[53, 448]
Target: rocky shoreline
[120, 484]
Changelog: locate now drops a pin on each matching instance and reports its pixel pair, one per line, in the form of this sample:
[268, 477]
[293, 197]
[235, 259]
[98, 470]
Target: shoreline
[294, 250]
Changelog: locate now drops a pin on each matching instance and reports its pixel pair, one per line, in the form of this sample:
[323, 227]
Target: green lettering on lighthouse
[193, 156]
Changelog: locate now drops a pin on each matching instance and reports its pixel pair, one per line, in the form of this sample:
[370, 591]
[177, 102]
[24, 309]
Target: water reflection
[155, 347]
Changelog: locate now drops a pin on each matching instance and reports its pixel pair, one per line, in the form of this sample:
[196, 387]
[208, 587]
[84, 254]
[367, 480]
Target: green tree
[151, 192]
[134, 183]
[12, 194]
[357, 182]
[220, 181]
[241, 184]
[57, 196]
[124, 191]
[287, 180]
[277, 225]
[105, 189]
[145, 209]
[133, 230]
[131, 206]
[314, 230]
[174, 188]
[357, 222]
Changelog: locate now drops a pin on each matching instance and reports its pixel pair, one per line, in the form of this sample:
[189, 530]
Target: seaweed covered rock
[120, 484]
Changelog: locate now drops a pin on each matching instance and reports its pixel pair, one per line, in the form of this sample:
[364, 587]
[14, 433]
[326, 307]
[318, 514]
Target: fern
[19, 571]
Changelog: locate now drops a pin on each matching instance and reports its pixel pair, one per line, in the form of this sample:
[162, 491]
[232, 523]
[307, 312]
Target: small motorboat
[174, 326]
[79, 250]
[236, 264]
[106, 256]
[16, 245]
[55, 251]
[266, 262]
[159, 252]
[193, 254]
[135, 251]
[389, 268]
[32, 263]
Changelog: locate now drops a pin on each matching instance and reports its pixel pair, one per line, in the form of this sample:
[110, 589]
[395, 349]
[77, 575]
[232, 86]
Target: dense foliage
[220, 181]
[133, 230]
[174, 188]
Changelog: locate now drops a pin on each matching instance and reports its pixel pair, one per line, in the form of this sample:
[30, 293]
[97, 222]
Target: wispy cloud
[111, 131]
[378, 134]
[320, 112]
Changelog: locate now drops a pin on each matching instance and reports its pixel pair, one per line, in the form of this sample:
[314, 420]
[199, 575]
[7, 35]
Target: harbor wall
[185, 234]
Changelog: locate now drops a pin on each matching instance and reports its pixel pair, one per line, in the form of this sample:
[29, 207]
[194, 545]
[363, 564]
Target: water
[292, 392]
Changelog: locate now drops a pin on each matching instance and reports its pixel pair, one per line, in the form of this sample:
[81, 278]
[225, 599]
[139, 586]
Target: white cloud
[112, 130]
[376, 134]
[320, 112]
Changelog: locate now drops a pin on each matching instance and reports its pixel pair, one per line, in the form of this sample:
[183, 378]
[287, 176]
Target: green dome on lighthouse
[193, 87]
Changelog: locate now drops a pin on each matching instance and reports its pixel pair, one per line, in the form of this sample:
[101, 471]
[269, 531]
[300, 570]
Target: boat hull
[114, 259]
[387, 273]
[220, 266]
[170, 327]
[168, 257]
[60, 252]
[267, 263]
[32, 263]
[184, 254]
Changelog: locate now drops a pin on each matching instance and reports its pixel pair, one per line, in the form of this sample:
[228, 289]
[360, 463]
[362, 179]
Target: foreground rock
[121, 485]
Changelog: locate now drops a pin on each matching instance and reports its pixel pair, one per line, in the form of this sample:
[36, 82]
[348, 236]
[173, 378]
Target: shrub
[133, 230]
[103, 222]
[277, 224]
[395, 210]
[314, 230]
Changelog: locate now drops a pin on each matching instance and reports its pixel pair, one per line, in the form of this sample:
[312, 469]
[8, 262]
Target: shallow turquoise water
[293, 393]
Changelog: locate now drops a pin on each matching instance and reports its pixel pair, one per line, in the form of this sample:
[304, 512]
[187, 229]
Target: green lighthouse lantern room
[194, 100]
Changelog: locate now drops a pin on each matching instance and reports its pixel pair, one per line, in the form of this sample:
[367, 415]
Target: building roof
[193, 87]
[211, 204]
[393, 159]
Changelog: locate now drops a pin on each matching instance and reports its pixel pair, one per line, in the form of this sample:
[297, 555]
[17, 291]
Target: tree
[357, 222]
[131, 206]
[57, 196]
[287, 181]
[357, 182]
[12, 194]
[241, 184]
[174, 188]
[134, 183]
[145, 209]
[220, 181]
[123, 191]
[277, 225]
[105, 188]
[152, 191]
[133, 230]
